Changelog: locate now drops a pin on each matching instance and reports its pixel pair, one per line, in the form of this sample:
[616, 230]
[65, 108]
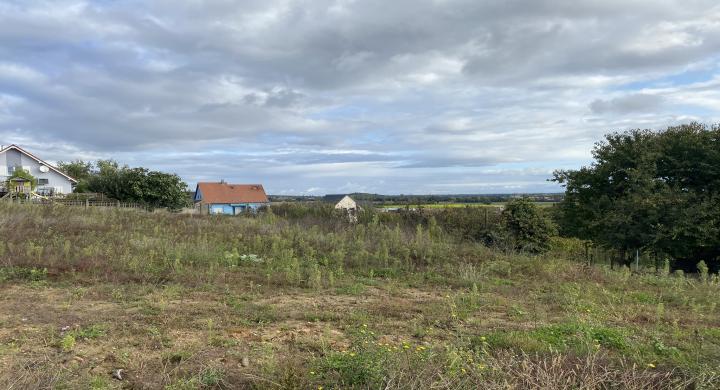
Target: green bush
[525, 227]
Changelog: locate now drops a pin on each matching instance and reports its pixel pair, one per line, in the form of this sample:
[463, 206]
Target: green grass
[168, 299]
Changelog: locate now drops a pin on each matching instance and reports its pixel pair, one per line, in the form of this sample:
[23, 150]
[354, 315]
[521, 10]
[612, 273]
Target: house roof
[39, 161]
[232, 193]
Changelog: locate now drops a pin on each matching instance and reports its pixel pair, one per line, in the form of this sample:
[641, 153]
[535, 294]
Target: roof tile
[232, 193]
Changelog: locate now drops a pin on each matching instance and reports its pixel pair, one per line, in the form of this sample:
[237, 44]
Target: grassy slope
[174, 301]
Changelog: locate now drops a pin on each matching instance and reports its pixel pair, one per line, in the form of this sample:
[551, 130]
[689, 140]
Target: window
[45, 191]
[43, 182]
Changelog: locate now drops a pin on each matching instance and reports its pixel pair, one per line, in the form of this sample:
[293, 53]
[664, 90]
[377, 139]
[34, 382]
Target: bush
[140, 185]
[525, 227]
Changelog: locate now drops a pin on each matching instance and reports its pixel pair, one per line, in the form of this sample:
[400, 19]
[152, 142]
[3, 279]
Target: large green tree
[653, 191]
[152, 188]
[78, 170]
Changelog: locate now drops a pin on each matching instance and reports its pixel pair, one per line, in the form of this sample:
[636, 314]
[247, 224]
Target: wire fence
[87, 203]
[98, 203]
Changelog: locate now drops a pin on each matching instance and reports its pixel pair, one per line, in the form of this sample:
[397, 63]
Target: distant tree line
[427, 199]
[657, 192]
[138, 185]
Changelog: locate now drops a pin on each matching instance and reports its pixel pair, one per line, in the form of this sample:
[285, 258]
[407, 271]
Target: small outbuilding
[345, 204]
[229, 199]
[342, 202]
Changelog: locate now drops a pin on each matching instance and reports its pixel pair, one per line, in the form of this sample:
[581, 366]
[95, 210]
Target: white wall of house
[49, 180]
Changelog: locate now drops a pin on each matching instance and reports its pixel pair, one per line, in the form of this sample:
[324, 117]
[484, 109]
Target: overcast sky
[314, 97]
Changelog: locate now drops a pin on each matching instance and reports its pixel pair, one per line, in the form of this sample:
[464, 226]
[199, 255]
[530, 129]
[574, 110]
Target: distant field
[438, 205]
[457, 205]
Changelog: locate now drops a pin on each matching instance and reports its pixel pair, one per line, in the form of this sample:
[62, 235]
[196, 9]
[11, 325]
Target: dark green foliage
[140, 185]
[79, 170]
[526, 227]
[657, 191]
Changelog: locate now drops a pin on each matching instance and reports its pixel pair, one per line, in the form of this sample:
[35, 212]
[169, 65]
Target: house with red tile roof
[229, 199]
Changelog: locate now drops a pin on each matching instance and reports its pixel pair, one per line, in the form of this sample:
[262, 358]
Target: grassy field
[183, 302]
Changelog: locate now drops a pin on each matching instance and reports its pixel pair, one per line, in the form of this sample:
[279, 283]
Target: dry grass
[553, 371]
[195, 315]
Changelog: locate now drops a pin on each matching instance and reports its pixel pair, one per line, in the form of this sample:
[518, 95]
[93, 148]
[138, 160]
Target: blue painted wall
[234, 209]
[221, 209]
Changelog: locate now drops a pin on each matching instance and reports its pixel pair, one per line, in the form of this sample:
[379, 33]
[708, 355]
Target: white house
[50, 180]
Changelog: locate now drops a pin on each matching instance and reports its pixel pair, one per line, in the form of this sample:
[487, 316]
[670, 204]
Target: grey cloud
[627, 104]
[445, 162]
[279, 97]
[422, 87]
